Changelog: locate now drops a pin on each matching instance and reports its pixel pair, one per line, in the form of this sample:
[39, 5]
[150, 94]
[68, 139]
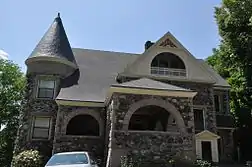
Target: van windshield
[68, 159]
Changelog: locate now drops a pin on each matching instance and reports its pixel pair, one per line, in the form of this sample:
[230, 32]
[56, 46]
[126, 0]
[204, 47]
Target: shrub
[28, 158]
[202, 163]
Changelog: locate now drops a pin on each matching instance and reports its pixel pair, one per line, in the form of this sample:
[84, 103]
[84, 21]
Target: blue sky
[108, 25]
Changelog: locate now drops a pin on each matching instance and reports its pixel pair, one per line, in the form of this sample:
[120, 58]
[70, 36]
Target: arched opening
[149, 118]
[168, 64]
[83, 125]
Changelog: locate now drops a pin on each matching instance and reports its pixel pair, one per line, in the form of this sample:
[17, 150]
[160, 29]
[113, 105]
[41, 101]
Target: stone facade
[63, 142]
[34, 107]
[115, 140]
[150, 145]
[204, 99]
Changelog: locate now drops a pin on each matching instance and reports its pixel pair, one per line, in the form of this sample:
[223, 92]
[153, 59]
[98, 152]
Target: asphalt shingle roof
[97, 72]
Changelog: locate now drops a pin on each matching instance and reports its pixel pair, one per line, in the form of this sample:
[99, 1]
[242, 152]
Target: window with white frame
[41, 127]
[46, 89]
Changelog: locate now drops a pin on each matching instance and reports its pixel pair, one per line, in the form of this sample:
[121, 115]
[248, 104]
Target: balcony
[168, 72]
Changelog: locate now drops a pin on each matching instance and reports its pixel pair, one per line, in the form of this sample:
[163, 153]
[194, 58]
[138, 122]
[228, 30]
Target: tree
[12, 84]
[233, 61]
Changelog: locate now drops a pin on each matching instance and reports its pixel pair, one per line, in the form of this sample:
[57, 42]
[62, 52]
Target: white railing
[168, 72]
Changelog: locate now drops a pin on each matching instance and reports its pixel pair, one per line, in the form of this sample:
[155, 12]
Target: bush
[202, 163]
[28, 158]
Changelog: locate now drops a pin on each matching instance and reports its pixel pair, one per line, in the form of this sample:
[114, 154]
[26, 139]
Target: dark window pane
[198, 119]
[45, 93]
[216, 103]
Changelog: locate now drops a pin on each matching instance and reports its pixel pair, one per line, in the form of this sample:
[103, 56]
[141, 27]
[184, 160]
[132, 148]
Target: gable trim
[79, 103]
[164, 78]
[212, 135]
[143, 91]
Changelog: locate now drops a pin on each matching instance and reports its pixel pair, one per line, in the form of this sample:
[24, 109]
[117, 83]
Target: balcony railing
[168, 71]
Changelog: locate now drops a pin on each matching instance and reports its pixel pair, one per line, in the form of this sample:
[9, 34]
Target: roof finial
[58, 14]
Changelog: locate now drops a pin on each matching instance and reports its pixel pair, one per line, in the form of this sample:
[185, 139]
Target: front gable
[195, 71]
[206, 135]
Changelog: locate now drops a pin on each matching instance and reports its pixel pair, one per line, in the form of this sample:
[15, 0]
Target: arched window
[168, 64]
[83, 125]
[149, 118]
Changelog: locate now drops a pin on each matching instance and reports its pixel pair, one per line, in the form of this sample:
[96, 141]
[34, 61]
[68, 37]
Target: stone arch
[160, 103]
[94, 114]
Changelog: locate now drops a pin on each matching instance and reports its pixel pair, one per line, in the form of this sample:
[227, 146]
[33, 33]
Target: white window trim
[32, 128]
[37, 87]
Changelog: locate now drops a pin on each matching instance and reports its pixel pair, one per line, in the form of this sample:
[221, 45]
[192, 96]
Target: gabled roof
[54, 43]
[206, 135]
[145, 83]
[168, 43]
[220, 82]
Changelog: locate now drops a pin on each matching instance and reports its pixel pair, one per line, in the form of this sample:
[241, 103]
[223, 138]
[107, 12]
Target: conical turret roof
[54, 43]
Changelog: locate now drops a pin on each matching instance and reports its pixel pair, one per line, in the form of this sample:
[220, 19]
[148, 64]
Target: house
[157, 104]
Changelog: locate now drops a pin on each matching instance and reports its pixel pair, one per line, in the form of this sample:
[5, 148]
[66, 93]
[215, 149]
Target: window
[219, 103]
[41, 127]
[83, 125]
[199, 121]
[149, 118]
[46, 89]
[168, 64]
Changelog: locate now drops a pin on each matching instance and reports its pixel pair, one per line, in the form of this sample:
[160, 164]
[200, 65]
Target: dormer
[168, 59]
[53, 54]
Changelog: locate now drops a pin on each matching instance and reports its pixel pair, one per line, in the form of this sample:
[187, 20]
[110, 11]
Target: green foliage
[202, 163]
[28, 158]
[12, 84]
[126, 162]
[233, 59]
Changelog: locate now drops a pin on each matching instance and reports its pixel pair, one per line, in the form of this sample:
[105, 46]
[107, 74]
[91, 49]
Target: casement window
[199, 120]
[219, 103]
[41, 127]
[46, 89]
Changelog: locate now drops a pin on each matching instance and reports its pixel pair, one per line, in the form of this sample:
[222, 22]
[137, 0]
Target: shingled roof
[97, 72]
[54, 43]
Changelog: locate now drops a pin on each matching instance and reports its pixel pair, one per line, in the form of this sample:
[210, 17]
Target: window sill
[81, 137]
[42, 140]
[150, 132]
[49, 99]
[39, 113]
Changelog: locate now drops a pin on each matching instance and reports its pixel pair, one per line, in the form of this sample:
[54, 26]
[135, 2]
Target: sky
[111, 25]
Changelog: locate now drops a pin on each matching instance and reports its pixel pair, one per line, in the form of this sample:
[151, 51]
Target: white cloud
[3, 55]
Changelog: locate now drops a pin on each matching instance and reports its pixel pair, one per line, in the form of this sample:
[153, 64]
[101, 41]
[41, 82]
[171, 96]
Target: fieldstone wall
[204, 98]
[63, 142]
[34, 107]
[150, 145]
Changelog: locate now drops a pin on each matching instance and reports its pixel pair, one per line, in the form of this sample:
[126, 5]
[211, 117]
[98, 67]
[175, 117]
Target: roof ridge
[98, 50]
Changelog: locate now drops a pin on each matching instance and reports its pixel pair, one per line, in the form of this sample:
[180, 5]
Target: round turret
[53, 54]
